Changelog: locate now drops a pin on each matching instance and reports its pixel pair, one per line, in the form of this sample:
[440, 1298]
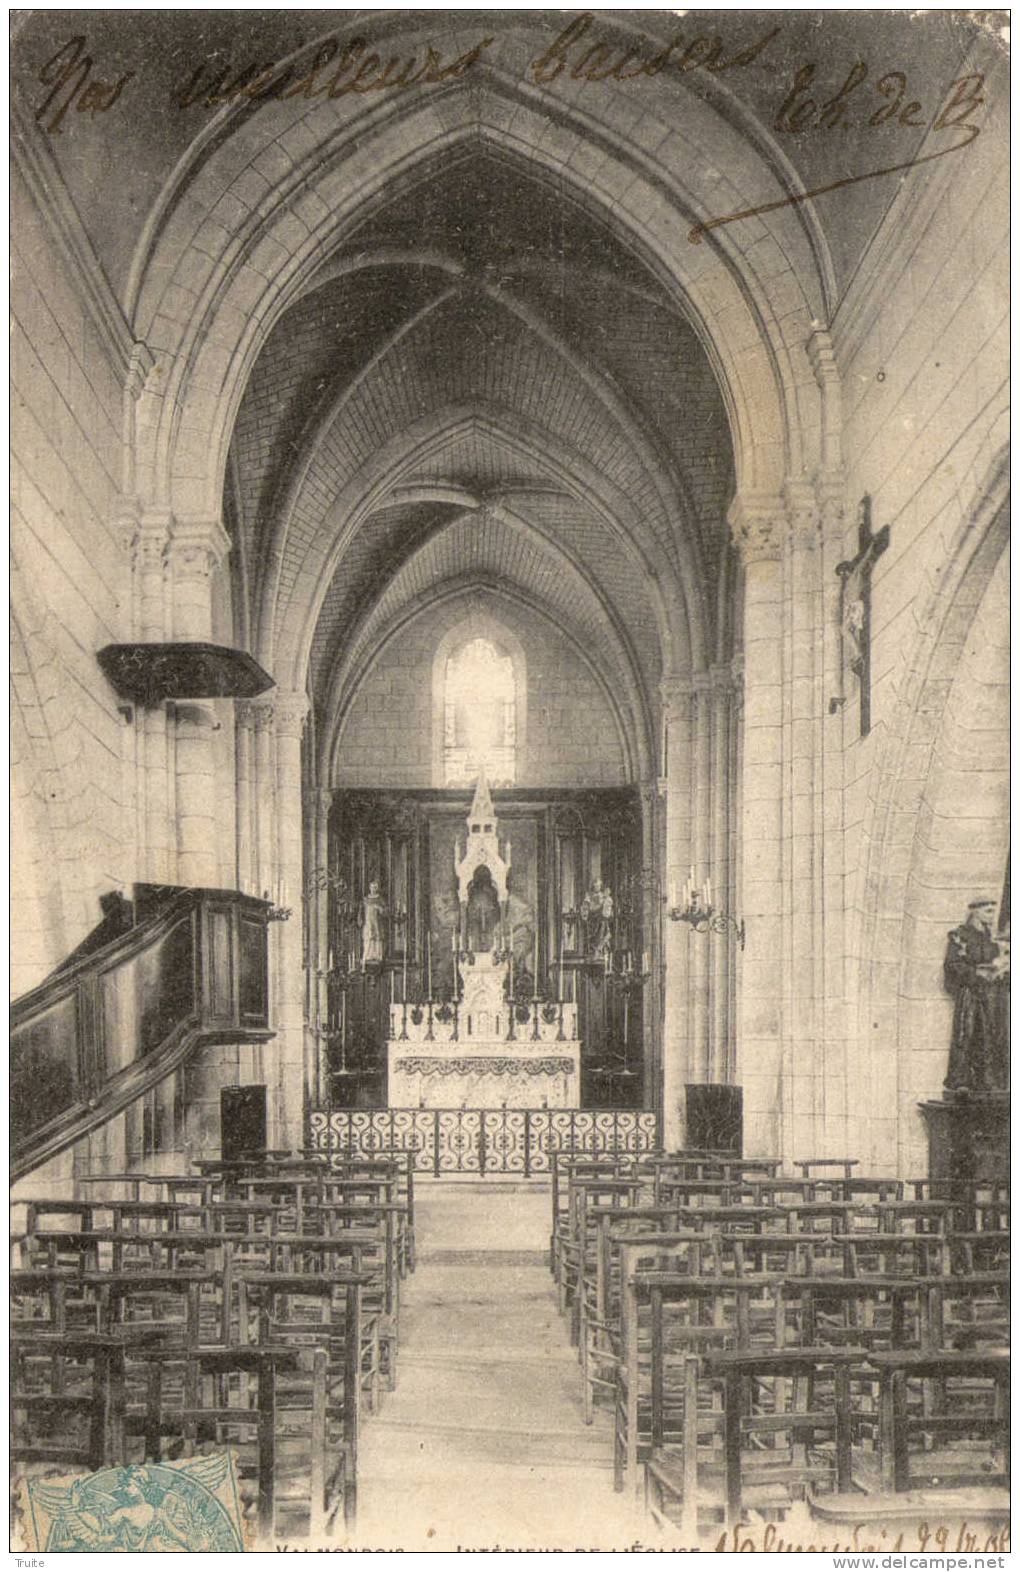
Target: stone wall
[571, 735]
[73, 806]
[922, 346]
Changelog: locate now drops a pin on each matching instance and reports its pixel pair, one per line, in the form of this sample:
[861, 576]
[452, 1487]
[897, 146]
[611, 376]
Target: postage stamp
[191, 1505]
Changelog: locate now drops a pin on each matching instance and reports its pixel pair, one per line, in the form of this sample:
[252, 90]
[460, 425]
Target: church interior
[509, 786]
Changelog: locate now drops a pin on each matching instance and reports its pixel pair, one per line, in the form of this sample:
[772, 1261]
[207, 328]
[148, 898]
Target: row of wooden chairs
[242, 1305]
[762, 1338]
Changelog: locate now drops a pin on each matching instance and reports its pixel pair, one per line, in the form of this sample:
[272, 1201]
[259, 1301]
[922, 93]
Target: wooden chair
[60, 1383]
[771, 1456]
[210, 1378]
[843, 1165]
[313, 1312]
[647, 1238]
[705, 1311]
[913, 1428]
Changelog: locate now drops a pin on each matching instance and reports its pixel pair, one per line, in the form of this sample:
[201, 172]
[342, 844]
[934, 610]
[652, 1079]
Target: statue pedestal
[968, 1137]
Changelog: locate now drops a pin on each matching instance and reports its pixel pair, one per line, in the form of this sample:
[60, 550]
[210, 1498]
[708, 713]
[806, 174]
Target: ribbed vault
[492, 549]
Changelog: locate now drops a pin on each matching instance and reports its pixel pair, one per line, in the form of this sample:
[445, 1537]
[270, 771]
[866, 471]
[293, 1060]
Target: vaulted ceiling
[558, 426]
[483, 380]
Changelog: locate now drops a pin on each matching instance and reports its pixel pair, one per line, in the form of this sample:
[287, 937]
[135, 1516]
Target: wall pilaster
[759, 524]
[296, 1069]
[678, 1050]
[194, 552]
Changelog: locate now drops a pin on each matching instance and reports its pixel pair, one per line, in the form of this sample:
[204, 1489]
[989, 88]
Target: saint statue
[483, 915]
[597, 918]
[977, 975]
[373, 913]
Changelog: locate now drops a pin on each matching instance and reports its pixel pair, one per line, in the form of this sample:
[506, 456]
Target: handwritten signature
[935, 1538]
[69, 75]
[335, 70]
[799, 113]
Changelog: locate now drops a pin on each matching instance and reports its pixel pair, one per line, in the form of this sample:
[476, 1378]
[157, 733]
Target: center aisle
[483, 1442]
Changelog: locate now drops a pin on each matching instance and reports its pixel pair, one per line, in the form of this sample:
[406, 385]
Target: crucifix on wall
[855, 613]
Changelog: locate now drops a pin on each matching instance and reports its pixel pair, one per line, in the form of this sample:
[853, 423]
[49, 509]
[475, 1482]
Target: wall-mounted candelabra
[278, 911]
[695, 908]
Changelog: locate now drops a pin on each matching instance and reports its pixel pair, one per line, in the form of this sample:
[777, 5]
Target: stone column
[845, 1125]
[159, 860]
[196, 549]
[699, 944]
[244, 750]
[803, 1026]
[758, 523]
[677, 1045]
[296, 1074]
[318, 802]
[650, 917]
[264, 798]
[721, 943]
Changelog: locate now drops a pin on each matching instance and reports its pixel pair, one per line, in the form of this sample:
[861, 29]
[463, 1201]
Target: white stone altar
[470, 1054]
[476, 1051]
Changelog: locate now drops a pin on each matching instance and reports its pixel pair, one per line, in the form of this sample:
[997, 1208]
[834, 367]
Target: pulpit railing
[123, 1014]
[512, 1142]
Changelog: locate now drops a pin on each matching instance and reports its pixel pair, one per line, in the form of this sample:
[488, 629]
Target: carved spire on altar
[482, 847]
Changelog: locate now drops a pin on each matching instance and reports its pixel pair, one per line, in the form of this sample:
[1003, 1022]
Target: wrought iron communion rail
[518, 1142]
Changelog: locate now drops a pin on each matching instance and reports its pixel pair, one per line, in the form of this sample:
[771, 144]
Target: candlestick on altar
[428, 964]
[403, 991]
[536, 952]
[393, 986]
[562, 933]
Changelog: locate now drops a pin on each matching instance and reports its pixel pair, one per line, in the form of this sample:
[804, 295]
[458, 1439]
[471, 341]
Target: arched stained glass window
[479, 715]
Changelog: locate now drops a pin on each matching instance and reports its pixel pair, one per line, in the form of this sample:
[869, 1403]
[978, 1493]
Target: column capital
[244, 714]
[676, 693]
[197, 546]
[291, 713]
[758, 524]
[803, 512]
[830, 487]
[124, 518]
[262, 712]
[152, 534]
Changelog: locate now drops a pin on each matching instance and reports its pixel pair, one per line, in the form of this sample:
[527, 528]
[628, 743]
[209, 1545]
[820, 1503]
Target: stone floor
[483, 1442]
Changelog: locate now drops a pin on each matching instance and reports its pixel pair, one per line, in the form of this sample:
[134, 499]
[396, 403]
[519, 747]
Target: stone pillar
[264, 798]
[846, 1128]
[196, 549]
[803, 1056]
[651, 918]
[158, 864]
[758, 523]
[677, 1046]
[318, 802]
[721, 943]
[296, 1074]
[244, 751]
[700, 944]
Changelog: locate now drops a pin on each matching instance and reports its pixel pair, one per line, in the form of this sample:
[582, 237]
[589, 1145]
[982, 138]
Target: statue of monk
[974, 968]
